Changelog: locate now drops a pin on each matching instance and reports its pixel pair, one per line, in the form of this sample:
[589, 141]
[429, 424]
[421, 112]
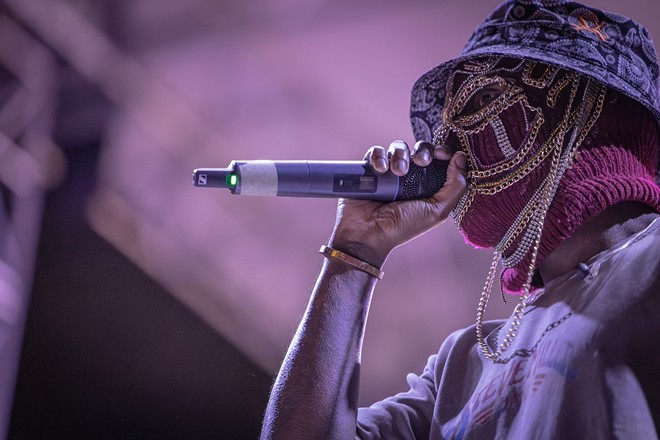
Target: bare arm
[315, 393]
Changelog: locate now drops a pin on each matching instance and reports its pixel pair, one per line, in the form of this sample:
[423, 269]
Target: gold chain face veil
[520, 123]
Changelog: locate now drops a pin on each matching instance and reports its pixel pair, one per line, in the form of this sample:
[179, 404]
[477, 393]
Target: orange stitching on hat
[596, 28]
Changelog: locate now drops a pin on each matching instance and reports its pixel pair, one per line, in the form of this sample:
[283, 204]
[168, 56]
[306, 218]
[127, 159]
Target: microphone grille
[423, 182]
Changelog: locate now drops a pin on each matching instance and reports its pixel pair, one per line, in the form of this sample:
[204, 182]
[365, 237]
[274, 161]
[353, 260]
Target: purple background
[149, 90]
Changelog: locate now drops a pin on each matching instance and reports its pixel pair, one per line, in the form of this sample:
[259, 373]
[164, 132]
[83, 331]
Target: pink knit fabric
[617, 166]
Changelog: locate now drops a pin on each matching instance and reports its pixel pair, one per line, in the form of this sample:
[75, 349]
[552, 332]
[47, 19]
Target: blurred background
[133, 305]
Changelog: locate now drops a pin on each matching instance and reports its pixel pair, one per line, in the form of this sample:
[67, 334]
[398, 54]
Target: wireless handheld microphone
[334, 179]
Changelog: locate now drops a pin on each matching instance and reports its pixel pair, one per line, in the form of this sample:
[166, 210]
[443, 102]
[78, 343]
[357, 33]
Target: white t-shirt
[584, 365]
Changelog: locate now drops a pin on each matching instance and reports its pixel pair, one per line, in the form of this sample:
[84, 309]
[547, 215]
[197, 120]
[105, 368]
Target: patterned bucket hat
[610, 48]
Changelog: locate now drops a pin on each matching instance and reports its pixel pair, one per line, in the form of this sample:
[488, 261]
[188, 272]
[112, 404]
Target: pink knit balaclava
[615, 164]
[521, 123]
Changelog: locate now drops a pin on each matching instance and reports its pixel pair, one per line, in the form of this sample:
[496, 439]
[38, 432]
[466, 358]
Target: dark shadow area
[108, 353]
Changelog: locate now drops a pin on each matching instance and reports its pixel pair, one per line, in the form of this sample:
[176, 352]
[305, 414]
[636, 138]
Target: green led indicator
[231, 180]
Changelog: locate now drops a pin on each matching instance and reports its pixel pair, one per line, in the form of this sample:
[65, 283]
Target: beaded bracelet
[329, 252]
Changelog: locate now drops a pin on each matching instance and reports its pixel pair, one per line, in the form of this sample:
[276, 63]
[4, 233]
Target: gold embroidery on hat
[596, 28]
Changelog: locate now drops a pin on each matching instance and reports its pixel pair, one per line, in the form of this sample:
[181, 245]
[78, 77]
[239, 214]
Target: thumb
[456, 183]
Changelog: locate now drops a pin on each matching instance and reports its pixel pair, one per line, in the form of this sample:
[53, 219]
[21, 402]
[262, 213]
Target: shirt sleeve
[407, 415]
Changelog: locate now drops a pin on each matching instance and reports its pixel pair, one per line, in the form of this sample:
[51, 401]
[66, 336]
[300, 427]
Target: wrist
[356, 263]
[356, 249]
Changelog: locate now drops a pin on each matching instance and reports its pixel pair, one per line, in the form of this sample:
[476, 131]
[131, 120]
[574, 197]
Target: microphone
[329, 179]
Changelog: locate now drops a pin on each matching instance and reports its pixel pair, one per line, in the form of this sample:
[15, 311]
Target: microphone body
[330, 179]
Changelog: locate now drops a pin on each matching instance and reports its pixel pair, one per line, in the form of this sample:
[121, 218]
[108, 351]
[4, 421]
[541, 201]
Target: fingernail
[400, 165]
[440, 151]
[381, 163]
[460, 160]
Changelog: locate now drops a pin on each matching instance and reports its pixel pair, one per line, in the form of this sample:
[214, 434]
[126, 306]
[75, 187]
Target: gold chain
[545, 79]
[590, 109]
[495, 356]
[531, 219]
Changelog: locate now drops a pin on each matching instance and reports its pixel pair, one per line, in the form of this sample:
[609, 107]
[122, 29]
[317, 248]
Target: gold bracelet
[329, 252]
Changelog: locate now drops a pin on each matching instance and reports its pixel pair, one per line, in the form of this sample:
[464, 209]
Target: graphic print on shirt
[551, 364]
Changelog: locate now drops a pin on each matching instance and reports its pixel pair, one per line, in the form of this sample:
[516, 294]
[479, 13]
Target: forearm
[315, 393]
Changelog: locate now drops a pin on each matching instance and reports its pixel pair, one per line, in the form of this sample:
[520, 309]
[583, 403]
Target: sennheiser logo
[201, 179]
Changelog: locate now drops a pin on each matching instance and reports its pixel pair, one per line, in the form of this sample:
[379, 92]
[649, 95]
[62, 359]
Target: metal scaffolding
[26, 113]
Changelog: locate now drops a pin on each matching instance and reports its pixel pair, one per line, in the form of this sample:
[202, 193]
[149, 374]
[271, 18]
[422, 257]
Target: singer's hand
[371, 230]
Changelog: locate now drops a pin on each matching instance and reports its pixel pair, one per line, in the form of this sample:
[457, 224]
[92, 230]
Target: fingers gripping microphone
[334, 179]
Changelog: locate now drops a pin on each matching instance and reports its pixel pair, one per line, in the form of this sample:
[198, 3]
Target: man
[549, 120]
